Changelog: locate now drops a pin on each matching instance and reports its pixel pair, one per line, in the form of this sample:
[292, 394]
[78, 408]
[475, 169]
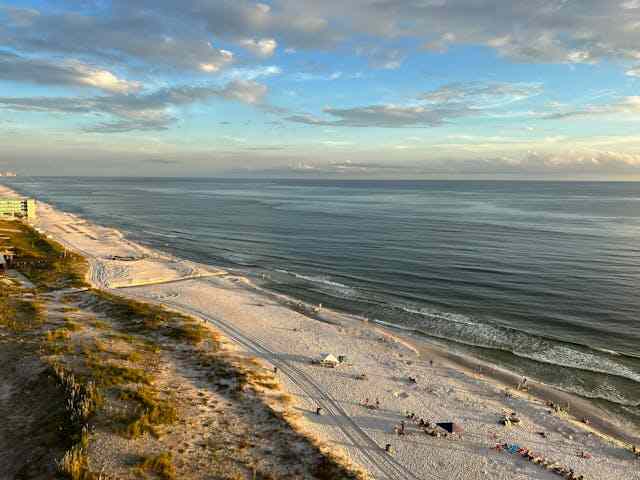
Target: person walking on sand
[275, 370]
[377, 404]
[318, 410]
[523, 384]
[402, 427]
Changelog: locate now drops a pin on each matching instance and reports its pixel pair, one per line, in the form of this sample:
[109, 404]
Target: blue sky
[365, 88]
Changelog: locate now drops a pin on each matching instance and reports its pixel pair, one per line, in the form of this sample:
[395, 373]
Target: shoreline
[157, 279]
[503, 378]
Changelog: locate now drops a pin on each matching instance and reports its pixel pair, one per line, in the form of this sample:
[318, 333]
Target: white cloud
[312, 77]
[222, 60]
[430, 109]
[68, 73]
[383, 58]
[625, 106]
[147, 111]
[264, 48]
[252, 73]
[630, 4]
[103, 79]
[382, 116]
[245, 91]
[634, 72]
[483, 94]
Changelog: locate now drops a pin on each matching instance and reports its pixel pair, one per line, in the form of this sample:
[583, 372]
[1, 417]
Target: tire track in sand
[376, 456]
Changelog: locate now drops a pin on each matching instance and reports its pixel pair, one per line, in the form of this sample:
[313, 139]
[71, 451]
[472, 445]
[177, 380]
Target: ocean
[542, 278]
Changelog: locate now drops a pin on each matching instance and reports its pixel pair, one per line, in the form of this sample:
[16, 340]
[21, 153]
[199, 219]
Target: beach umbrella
[451, 427]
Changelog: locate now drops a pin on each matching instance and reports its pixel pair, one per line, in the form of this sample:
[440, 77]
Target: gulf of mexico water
[540, 277]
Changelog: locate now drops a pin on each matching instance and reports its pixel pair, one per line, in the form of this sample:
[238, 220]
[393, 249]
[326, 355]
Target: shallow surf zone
[611, 380]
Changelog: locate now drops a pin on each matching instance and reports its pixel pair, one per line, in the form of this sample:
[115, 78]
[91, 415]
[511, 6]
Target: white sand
[115, 262]
[263, 325]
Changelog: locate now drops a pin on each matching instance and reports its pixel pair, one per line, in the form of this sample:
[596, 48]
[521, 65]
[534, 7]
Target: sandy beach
[446, 389]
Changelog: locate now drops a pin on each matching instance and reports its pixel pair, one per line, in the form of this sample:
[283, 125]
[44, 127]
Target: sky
[519, 89]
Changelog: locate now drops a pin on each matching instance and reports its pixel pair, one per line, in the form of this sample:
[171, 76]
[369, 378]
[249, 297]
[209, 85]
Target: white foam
[566, 356]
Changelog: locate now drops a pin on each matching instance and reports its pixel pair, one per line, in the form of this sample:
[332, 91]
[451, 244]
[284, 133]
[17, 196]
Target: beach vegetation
[160, 465]
[74, 464]
[141, 317]
[43, 261]
[150, 412]
[19, 314]
[108, 374]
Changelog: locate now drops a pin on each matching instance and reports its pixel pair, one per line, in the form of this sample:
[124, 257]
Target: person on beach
[275, 370]
[387, 448]
[377, 404]
[318, 410]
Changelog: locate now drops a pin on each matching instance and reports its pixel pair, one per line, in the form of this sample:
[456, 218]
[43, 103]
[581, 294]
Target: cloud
[575, 163]
[161, 161]
[634, 72]
[69, 73]
[482, 94]
[385, 116]
[383, 58]
[253, 73]
[433, 108]
[23, 17]
[625, 106]
[178, 33]
[125, 35]
[441, 44]
[523, 30]
[142, 112]
[246, 91]
[312, 77]
[264, 48]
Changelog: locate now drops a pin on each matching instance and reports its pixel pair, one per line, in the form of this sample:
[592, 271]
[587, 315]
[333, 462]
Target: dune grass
[139, 317]
[43, 261]
[151, 412]
[161, 465]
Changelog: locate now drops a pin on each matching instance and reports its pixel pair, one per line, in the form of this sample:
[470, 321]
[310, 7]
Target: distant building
[18, 207]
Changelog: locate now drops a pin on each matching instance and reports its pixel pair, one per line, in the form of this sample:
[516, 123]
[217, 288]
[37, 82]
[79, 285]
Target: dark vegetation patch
[159, 465]
[35, 430]
[43, 261]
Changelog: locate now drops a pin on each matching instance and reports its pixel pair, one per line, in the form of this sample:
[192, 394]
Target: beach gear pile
[442, 429]
[510, 419]
[563, 471]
